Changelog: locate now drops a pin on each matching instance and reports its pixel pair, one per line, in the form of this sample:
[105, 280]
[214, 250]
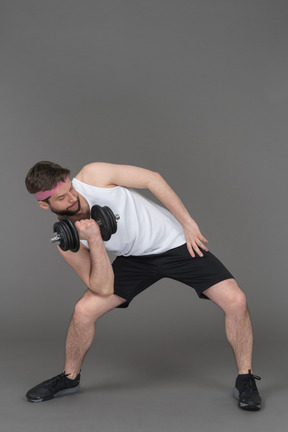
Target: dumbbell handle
[56, 239]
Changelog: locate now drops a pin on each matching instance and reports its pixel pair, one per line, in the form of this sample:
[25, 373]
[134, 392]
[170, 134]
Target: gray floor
[149, 383]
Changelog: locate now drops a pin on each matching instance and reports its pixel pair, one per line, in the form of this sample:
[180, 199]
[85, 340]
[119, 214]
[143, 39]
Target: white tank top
[144, 227]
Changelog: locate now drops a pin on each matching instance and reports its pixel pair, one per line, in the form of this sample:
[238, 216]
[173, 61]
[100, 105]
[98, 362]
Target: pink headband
[42, 195]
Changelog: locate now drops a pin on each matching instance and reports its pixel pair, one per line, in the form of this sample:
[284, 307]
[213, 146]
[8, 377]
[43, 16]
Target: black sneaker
[246, 392]
[56, 386]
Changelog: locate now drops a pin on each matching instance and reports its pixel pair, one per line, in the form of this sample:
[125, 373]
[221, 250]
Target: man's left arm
[160, 188]
[108, 175]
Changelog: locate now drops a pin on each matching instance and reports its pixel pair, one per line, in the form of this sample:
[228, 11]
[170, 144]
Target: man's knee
[92, 306]
[82, 312]
[236, 299]
[87, 310]
[228, 296]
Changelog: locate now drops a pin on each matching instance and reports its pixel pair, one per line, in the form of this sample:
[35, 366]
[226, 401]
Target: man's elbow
[104, 289]
[154, 179]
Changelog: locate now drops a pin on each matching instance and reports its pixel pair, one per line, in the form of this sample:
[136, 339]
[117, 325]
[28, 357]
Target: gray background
[198, 91]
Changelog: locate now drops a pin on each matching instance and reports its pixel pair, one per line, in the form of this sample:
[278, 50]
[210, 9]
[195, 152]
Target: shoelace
[56, 379]
[249, 383]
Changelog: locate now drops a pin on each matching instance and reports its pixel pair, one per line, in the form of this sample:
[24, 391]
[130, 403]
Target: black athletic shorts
[133, 274]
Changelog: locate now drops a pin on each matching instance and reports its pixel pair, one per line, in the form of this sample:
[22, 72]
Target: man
[151, 242]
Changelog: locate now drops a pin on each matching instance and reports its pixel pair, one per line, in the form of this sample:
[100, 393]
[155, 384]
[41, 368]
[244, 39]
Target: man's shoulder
[86, 171]
[96, 174]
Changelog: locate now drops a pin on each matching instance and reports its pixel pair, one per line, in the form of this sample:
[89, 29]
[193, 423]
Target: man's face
[65, 201]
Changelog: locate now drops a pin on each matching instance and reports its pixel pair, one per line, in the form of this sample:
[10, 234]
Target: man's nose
[71, 196]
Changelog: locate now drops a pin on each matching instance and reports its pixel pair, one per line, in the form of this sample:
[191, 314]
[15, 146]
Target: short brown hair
[45, 175]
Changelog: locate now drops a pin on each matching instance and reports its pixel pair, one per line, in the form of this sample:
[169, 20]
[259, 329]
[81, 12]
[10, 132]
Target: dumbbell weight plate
[110, 219]
[106, 220]
[68, 234]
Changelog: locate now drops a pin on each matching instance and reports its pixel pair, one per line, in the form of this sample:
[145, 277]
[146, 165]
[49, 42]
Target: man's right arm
[91, 265]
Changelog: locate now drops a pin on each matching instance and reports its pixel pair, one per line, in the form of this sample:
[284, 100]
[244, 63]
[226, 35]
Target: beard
[67, 212]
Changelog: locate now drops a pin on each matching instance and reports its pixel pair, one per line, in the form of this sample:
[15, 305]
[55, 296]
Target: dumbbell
[66, 235]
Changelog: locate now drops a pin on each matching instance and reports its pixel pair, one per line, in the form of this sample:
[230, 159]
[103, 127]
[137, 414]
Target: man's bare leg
[231, 299]
[82, 328]
[79, 338]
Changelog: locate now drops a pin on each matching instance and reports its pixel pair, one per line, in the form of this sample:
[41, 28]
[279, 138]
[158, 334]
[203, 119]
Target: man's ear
[44, 205]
